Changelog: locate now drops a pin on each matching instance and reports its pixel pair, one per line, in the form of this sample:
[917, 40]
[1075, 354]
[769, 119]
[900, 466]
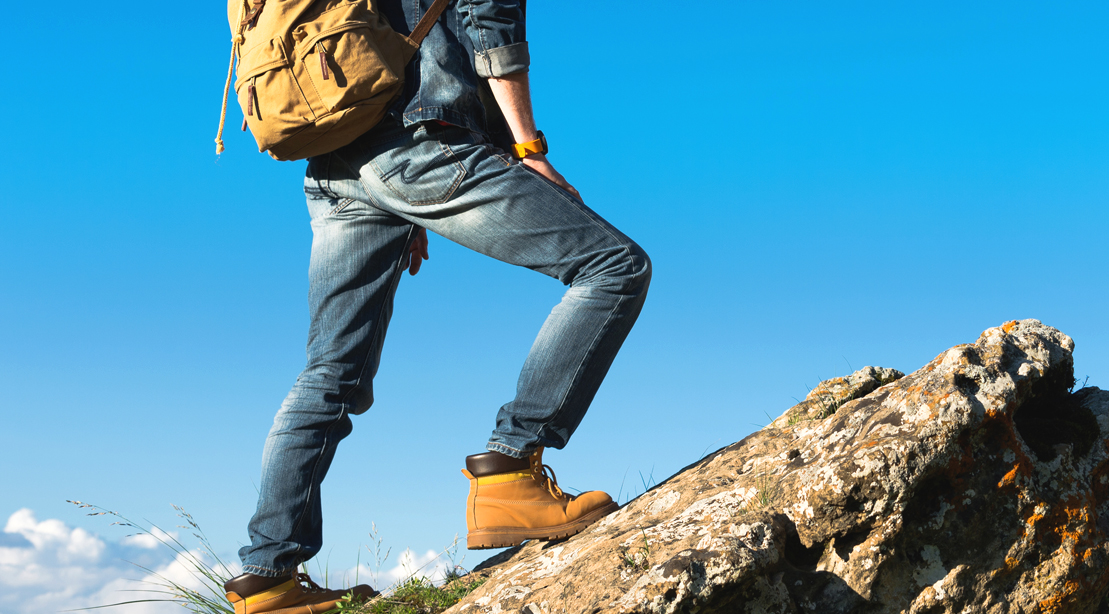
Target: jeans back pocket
[423, 171]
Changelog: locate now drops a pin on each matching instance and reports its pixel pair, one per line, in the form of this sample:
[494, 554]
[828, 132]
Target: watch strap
[538, 146]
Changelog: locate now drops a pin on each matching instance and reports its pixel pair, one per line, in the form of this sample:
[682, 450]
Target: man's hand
[539, 164]
[417, 252]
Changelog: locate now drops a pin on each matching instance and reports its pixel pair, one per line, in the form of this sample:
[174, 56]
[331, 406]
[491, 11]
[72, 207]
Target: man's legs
[355, 267]
[364, 199]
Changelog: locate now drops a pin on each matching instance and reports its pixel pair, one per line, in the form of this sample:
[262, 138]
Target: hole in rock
[967, 384]
[854, 502]
[1051, 415]
[801, 557]
[927, 499]
[846, 543]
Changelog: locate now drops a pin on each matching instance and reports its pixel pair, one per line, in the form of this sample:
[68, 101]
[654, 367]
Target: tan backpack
[313, 75]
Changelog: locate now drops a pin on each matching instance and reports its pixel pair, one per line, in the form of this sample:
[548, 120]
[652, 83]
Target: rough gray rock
[979, 483]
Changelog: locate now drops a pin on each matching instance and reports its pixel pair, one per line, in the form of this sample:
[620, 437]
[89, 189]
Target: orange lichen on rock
[1011, 563]
[1006, 438]
[1009, 326]
[1021, 468]
[1070, 527]
[1074, 523]
[1060, 600]
[1032, 519]
[1010, 478]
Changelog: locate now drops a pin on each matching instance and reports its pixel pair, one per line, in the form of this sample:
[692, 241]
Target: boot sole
[507, 537]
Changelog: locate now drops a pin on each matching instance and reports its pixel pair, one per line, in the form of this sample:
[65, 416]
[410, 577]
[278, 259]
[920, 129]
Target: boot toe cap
[587, 502]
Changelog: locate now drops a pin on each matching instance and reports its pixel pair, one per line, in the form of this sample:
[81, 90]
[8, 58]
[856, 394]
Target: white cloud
[432, 565]
[47, 566]
[52, 535]
[153, 540]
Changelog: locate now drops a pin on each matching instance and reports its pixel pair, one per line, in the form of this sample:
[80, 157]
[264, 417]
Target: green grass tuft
[640, 558]
[204, 564]
[416, 595]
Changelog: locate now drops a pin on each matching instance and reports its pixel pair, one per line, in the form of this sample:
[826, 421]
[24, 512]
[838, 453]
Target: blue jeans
[366, 201]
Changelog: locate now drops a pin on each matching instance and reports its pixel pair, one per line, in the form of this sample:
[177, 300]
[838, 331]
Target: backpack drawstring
[235, 42]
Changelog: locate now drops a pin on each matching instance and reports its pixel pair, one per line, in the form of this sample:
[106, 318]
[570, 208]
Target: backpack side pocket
[270, 95]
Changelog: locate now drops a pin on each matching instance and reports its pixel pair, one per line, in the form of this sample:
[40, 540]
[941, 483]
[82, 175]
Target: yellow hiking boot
[296, 594]
[516, 499]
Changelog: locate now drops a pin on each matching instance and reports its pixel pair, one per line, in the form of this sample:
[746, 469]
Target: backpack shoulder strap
[428, 20]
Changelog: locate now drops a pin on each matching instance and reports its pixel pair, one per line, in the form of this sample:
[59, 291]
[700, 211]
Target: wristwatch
[538, 146]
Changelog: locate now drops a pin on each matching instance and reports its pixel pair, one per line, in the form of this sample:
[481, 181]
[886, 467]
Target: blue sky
[821, 187]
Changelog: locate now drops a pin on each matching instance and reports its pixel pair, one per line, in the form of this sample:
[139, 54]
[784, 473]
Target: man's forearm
[513, 95]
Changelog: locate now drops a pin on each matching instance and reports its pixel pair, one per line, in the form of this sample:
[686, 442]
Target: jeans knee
[623, 269]
[641, 265]
[319, 391]
[634, 270]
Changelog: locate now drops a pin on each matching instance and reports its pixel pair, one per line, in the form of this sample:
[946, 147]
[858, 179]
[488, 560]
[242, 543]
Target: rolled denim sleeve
[496, 29]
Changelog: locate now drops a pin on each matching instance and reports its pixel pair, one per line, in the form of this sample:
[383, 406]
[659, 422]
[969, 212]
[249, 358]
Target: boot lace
[307, 585]
[545, 475]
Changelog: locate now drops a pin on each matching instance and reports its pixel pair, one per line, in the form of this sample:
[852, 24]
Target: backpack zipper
[323, 61]
[250, 100]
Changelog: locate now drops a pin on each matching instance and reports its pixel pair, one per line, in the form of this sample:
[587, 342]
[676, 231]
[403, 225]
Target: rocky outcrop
[978, 483]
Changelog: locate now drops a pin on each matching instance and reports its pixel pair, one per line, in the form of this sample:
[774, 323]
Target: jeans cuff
[507, 451]
[266, 572]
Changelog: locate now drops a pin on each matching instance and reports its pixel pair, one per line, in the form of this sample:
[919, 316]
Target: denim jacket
[472, 40]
